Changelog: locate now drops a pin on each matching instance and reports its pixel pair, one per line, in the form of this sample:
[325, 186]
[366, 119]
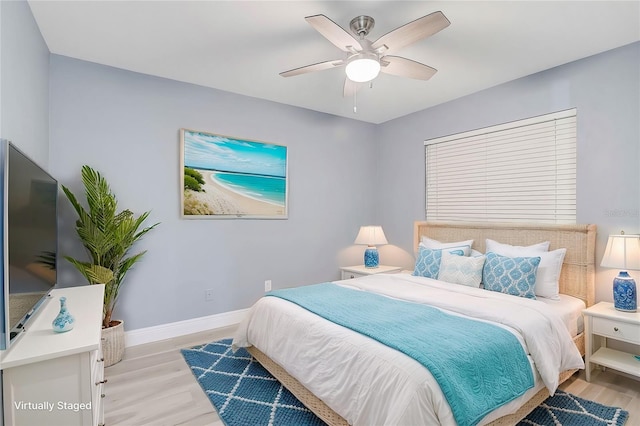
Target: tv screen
[30, 237]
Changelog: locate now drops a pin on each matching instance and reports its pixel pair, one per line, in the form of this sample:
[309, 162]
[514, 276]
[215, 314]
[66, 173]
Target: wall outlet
[267, 285]
[209, 294]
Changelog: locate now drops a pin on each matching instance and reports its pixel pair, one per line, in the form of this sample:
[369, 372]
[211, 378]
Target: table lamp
[371, 236]
[623, 252]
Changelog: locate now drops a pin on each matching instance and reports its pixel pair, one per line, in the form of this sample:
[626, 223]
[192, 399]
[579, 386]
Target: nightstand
[348, 272]
[605, 321]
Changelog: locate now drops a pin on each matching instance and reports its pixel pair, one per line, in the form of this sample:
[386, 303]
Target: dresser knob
[615, 328]
[101, 382]
[102, 396]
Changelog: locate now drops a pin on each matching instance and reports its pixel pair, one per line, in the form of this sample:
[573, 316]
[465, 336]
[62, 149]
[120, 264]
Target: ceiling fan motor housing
[361, 25]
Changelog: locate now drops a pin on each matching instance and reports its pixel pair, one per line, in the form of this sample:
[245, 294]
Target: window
[523, 171]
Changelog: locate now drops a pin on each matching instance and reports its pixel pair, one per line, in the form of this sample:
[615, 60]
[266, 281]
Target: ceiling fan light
[362, 70]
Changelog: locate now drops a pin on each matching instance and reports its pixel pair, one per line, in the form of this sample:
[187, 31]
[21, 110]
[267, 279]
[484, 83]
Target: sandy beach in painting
[218, 200]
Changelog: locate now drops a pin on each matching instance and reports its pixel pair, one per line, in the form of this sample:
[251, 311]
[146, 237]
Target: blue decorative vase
[371, 257]
[624, 293]
[64, 321]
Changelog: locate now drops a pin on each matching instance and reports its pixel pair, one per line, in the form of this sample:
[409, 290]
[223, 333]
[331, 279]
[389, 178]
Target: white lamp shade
[371, 236]
[363, 68]
[622, 252]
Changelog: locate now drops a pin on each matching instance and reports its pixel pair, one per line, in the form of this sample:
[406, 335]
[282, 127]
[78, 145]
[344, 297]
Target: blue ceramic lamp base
[371, 257]
[625, 293]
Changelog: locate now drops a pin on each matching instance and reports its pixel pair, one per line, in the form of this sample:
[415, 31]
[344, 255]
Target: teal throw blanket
[479, 366]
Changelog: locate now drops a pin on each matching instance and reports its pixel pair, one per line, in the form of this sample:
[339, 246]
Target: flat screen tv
[30, 236]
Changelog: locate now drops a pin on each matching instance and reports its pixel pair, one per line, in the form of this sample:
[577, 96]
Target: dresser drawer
[617, 330]
[347, 275]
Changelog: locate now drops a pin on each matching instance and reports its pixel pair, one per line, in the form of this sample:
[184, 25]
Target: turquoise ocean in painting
[270, 189]
[252, 169]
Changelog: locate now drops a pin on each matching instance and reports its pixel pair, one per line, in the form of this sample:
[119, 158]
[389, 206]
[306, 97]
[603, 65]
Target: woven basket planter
[113, 344]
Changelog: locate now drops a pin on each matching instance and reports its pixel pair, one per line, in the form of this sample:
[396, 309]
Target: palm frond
[106, 235]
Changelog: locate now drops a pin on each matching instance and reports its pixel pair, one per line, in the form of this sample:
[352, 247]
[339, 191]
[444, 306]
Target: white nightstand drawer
[616, 329]
[347, 275]
[357, 271]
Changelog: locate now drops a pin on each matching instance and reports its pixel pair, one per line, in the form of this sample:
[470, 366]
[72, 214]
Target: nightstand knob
[615, 328]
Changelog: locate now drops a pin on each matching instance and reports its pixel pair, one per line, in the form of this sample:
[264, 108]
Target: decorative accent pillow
[548, 274]
[496, 247]
[428, 262]
[461, 270]
[435, 244]
[466, 250]
[510, 275]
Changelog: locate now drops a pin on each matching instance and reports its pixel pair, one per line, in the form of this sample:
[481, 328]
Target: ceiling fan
[365, 59]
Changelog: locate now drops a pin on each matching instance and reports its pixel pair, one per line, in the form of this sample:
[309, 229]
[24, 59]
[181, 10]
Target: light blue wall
[604, 88]
[126, 126]
[24, 76]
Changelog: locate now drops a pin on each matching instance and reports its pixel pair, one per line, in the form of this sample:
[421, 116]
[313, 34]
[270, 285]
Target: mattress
[369, 383]
[569, 309]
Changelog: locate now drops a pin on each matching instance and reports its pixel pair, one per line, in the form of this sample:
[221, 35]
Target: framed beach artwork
[225, 178]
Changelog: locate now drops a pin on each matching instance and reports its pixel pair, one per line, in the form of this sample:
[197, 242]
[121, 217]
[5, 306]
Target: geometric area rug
[566, 409]
[244, 393]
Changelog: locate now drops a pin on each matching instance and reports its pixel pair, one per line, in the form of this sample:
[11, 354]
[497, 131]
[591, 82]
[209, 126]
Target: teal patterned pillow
[428, 263]
[511, 275]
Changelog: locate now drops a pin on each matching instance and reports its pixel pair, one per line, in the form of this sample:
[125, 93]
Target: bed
[311, 356]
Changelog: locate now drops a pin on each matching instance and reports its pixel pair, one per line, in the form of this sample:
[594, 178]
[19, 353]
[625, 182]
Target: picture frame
[224, 177]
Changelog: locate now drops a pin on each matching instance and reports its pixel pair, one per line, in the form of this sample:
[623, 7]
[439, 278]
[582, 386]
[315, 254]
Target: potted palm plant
[108, 237]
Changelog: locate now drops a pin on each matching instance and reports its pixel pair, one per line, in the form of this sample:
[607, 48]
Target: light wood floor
[152, 385]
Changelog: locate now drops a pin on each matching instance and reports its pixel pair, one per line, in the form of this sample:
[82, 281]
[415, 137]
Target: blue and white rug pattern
[565, 409]
[244, 394]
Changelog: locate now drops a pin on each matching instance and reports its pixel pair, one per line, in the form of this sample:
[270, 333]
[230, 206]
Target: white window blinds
[523, 171]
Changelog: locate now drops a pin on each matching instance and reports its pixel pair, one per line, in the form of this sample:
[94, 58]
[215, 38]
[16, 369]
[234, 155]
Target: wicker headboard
[578, 270]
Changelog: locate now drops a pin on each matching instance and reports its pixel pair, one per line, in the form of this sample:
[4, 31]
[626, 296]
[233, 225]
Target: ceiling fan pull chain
[355, 102]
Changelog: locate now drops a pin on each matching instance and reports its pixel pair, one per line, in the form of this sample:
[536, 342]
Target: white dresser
[54, 378]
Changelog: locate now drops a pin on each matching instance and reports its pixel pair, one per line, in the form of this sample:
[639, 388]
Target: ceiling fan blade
[314, 67]
[350, 87]
[412, 32]
[403, 67]
[334, 33]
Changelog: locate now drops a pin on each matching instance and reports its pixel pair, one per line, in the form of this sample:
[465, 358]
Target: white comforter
[369, 383]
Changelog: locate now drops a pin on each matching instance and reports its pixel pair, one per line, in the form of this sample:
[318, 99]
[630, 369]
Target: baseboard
[167, 331]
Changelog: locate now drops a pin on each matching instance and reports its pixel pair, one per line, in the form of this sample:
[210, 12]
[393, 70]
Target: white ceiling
[241, 46]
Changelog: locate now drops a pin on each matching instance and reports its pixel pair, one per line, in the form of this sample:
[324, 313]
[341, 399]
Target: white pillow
[496, 247]
[435, 244]
[466, 249]
[461, 270]
[548, 270]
